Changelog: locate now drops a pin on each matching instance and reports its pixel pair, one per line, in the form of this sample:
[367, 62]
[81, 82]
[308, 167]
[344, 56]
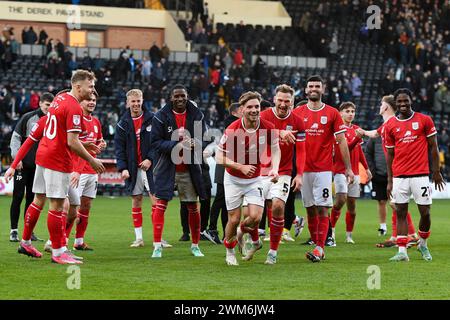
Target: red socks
[402, 241]
[424, 235]
[69, 227]
[158, 219]
[54, 224]
[313, 223]
[394, 224]
[349, 221]
[83, 217]
[252, 231]
[276, 230]
[322, 231]
[194, 221]
[411, 228]
[137, 217]
[31, 218]
[229, 245]
[335, 214]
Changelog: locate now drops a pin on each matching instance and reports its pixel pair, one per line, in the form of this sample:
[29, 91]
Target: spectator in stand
[60, 48]
[155, 53]
[97, 64]
[86, 62]
[146, 70]
[356, 84]
[131, 68]
[202, 37]
[43, 36]
[205, 14]
[165, 51]
[238, 57]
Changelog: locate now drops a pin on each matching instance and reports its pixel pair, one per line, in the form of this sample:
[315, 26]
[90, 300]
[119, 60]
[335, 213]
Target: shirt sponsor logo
[407, 134]
[315, 126]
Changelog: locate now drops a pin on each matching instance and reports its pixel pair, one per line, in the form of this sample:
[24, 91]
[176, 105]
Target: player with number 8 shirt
[323, 126]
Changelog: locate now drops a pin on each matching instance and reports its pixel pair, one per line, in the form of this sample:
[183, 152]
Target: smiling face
[283, 103]
[179, 99]
[251, 110]
[89, 104]
[314, 90]
[134, 102]
[403, 103]
[84, 89]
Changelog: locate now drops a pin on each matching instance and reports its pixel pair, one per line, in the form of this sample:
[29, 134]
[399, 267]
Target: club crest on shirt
[169, 129]
[288, 127]
[323, 120]
[149, 128]
[262, 140]
[415, 125]
[76, 119]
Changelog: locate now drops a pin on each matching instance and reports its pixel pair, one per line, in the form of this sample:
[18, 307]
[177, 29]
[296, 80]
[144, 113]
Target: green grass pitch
[115, 271]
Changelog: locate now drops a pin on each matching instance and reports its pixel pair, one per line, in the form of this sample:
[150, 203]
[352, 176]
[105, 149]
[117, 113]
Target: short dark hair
[315, 78]
[177, 87]
[46, 97]
[403, 91]
[233, 107]
[346, 105]
[265, 104]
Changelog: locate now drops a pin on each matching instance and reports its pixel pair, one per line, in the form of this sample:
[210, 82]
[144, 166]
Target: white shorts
[87, 187]
[54, 184]
[141, 186]
[238, 189]
[278, 190]
[419, 187]
[74, 196]
[316, 189]
[341, 185]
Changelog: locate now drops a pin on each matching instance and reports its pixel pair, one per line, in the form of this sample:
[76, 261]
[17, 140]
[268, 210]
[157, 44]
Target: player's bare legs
[424, 231]
[234, 217]
[350, 219]
[402, 232]
[250, 225]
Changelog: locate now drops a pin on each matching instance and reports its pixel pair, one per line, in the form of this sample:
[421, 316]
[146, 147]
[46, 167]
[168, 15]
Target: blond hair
[284, 88]
[135, 93]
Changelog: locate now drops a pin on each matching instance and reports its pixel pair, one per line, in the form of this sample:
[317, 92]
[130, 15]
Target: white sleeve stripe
[389, 147]
[74, 130]
[432, 134]
[341, 131]
[33, 139]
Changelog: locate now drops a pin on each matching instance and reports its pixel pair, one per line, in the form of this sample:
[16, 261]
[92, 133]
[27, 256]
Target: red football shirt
[291, 122]
[38, 129]
[354, 144]
[321, 126]
[91, 132]
[180, 119]
[247, 147]
[64, 115]
[137, 122]
[409, 139]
